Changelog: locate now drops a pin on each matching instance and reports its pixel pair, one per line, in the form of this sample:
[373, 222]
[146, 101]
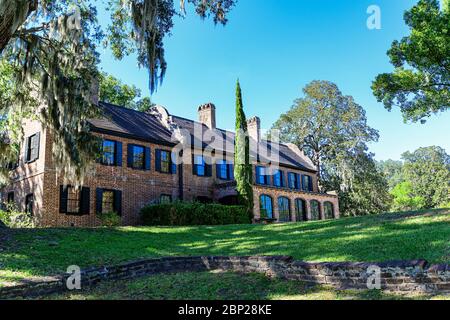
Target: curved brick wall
[415, 276]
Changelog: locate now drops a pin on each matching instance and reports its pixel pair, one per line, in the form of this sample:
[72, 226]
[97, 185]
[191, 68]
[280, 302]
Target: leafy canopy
[428, 171]
[331, 128]
[420, 83]
[51, 48]
[114, 91]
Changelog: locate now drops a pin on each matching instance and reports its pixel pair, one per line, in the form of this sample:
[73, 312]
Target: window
[328, 210]
[224, 170]
[74, 201]
[10, 198]
[315, 210]
[164, 162]
[284, 210]
[138, 157]
[109, 153]
[200, 167]
[300, 210]
[32, 147]
[261, 176]
[307, 183]
[109, 201]
[29, 204]
[265, 205]
[278, 179]
[293, 181]
[165, 198]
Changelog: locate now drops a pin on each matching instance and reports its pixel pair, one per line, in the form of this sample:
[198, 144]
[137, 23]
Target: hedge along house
[140, 166]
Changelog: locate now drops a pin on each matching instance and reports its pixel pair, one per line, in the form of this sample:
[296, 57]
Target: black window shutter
[27, 147]
[208, 167]
[85, 201]
[218, 167]
[119, 154]
[148, 158]
[231, 172]
[173, 168]
[118, 202]
[194, 166]
[99, 200]
[158, 160]
[63, 195]
[130, 156]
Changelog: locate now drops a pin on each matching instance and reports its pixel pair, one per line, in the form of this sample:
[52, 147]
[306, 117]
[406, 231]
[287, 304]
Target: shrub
[191, 214]
[109, 219]
[13, 218]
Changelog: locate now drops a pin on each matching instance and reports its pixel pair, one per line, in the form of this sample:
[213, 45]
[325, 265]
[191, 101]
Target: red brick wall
[138, 187]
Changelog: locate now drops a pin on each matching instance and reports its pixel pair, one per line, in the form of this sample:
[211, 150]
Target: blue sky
[275, 48]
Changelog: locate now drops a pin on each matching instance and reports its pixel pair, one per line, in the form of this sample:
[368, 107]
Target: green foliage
[54, 54]
[368, 193]
[13, 218]
[392, 171]
[428, 171]
[114, 91]
[404, 198]
[242, 166]
[191, 214]
[110, 219]
[332, 130]
[420, 83]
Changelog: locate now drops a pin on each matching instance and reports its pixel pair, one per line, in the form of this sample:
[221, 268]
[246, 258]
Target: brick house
[139, 167]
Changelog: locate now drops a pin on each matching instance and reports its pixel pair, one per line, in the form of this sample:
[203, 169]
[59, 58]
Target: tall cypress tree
[242, 167]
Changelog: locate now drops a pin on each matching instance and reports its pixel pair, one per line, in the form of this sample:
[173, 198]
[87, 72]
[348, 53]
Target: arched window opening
[284, 209]
[266, 208]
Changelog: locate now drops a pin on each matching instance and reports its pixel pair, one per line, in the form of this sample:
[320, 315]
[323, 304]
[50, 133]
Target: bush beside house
[191, 214]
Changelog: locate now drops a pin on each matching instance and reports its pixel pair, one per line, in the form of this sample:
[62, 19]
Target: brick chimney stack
[207, 115]
[254, 128]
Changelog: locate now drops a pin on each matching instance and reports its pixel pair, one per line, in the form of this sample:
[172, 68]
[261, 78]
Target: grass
[26, 253]
[223, 286]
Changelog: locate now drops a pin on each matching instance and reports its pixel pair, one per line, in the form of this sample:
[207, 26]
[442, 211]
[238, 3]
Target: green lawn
[39, 252]
[223, 286]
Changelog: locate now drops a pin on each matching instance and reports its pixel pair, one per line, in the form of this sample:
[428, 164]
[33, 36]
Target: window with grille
[109, 152]
[266, 209]
[138, 155]
[165, 162]
[108, 201]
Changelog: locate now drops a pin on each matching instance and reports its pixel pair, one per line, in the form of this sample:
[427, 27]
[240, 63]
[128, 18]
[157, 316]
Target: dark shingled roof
[146, 127]
[130, 123]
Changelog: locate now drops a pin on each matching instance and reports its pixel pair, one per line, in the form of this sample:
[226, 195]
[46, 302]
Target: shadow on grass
[44, 252]
[220, 286]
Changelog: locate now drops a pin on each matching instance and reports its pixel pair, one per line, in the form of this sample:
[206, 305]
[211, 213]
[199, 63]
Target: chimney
[254, 128]
[207, 115]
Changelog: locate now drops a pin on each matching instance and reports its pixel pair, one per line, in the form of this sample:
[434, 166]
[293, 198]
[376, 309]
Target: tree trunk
[13, 13]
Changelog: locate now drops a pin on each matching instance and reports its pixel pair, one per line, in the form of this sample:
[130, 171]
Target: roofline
[131, 136]
[172, 144]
